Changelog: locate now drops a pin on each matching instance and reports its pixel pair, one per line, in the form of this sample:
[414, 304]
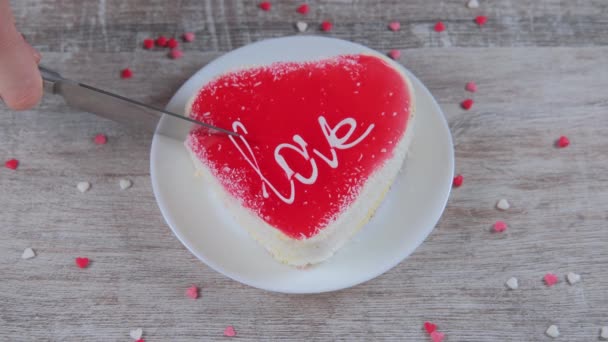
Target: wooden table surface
[542, 71]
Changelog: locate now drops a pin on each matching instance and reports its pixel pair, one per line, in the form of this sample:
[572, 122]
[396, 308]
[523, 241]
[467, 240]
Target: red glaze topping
[311, 135]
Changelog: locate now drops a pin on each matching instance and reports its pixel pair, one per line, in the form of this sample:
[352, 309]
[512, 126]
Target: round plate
[406, 217]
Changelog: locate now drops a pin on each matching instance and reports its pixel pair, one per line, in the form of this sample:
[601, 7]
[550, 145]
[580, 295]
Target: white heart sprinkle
[83, 186]
[503, 204]
[604, 333]
[136, 334]
[512, 283]
[552, 331]
[125, 184]
[473, 4]
[28, 253]
[573, 278]
[301, 26]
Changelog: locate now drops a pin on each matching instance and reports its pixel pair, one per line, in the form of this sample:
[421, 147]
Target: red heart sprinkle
[394, 26]
[82, 262]
[563, 141]
[394, 54]
[481, 20]
[12, 164]
[326, 26]
[100, 139]
[192, 292]
[437, 336]
[551, 279]
[161, 41]
[140, 340]
[265, 5]
[439, 27]
[188, 37]
[172, 43]
[466, 104]
[126, 73]
[148, 43]
[500, 226]
[471, 86]
[229, 331]
[303, 9]
[457, 181]
[176, 54]
[429, 327]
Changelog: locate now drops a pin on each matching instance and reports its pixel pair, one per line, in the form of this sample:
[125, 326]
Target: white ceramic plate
[406, 217]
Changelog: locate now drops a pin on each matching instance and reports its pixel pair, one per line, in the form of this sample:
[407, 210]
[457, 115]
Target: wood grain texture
[541, 72]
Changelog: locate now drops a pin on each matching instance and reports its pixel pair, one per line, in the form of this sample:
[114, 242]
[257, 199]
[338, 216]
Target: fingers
[20, 81]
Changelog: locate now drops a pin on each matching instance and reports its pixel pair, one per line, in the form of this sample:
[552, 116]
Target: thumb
[20, 81]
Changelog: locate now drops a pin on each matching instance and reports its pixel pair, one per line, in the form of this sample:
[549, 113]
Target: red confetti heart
[229, 331]
[82, 262]
[148, 43]
[471, 86]
[12, 164]
[439, 27]
[500, 226]
[562, 142]
[551, 279]
[394, 26]
[100, 139]
[481, 20]
[303, 9]
[457, 182]
[192, 292]
[126, 73]
[394, 54]
[429, 327]
[140, 340]
[188, 37]
[172, 43]
[176, 54]
[326, 26]
[161, 41]
[466, 104]
[265, 6]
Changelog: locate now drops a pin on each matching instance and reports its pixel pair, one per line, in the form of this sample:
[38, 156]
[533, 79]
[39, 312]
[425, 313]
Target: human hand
[20, 81]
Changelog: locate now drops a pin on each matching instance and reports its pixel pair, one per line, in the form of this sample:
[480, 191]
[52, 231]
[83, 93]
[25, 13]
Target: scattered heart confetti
[473, 4]
[550, 279]
[100, 139]
[229, 331]
[265, 5]
[12, 164]
[326, 26]
[604, 333]
[394, 54]
[83, 186]
[82, 262]
[28, 253]
[471, 86]
[500, 226]
[172, 43]
[140, 340]
[125, 184]
[176, 54]
[394, 26]
[303, 9]
[552, 331]
[573, 278]
[481, 20]
[148, 43]
[429, 327]
[136, 334]
[562, 142]
[437, 336]
[440, 26]
[188, 37]
[126, 73]
[503, 204]
[466, 104]
[512, 283]
[301, 26]
[192, 292]
[457, 182]
[161, 41]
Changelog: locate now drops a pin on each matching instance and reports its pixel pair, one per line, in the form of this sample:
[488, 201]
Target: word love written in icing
[333, 140]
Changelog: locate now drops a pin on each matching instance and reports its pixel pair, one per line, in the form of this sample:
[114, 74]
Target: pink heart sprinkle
[12, 164]
[429, 327]
[176, 54]
[481, 20]
[265, 6]
[229, 331]
[500, 226]
[562, 142]
[466, 104]
[437, 336]
[439, 27]
[471, 86]
[192, 292]
[100, 139]
[551, 279]
[188, 37]
[457, 181]
[394, 54]
[82, 262]
[326, 26]
[394, 26]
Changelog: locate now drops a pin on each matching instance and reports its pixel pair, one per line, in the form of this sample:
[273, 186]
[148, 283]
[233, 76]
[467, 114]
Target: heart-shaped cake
[320, 144]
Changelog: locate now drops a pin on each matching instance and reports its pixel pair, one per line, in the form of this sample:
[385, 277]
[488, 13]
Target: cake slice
[320, 144]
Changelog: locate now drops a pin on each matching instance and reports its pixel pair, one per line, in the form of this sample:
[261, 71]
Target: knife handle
[50, 78]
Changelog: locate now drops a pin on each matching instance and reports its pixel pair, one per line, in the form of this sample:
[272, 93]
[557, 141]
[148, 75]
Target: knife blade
[119, 108]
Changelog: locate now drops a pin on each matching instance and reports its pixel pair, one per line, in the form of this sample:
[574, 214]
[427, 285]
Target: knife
[119, 108]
